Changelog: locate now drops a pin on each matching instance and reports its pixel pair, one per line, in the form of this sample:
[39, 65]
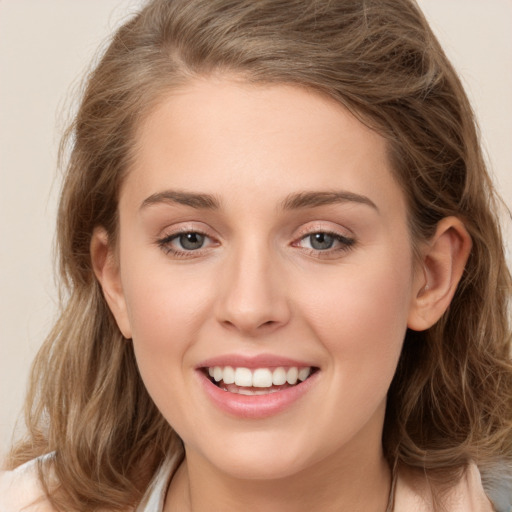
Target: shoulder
[20, 490]
[497, 482]
[416, 491]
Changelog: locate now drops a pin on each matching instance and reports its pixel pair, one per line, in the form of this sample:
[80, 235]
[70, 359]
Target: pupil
[321, 241]
[191, 241]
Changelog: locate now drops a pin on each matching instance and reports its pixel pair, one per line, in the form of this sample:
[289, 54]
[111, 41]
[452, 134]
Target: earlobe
[443, 261]
[106, 270]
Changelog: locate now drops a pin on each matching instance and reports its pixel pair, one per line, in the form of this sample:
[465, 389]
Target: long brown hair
[450, 399]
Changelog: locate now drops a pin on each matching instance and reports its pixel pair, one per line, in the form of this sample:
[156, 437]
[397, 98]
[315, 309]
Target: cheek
[164, 301]
[164, 314]
[168, 308]
[361, 316]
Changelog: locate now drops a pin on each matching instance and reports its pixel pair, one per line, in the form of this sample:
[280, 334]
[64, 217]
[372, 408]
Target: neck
[356, 483]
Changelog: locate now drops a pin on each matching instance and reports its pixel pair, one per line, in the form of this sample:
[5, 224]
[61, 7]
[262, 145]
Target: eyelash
[345, 244]
[165, 244]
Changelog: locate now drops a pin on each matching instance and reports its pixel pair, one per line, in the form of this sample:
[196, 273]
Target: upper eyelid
[306, 229]
[185, 227]
[331, 232]
[347, 240]
[165, 243]
[168, 235]
[324, 227]
[167, 238]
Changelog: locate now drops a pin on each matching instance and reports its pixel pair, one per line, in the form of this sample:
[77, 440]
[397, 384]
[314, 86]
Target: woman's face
[262, 235]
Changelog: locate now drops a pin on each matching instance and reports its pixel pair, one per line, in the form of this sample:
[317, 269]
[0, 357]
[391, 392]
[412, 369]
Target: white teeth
[244, 391]
[304, 373]
[262, 378]
[291, 375]
[259, 377]
[228, 375]
[279, 376]
[217, 373]
[243, 377]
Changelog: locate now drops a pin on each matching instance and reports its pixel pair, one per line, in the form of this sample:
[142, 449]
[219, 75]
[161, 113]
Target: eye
[323, 241]
[185, 243]
[189, 241]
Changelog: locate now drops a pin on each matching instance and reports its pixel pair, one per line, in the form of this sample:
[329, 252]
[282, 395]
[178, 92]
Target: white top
[20, 488]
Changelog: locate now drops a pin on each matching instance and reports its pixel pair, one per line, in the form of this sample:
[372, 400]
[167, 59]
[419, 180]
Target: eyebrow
[315, 199]
[194, 200]
[294, 201]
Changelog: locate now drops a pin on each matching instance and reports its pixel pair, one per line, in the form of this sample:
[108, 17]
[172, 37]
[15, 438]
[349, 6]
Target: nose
[253, 298]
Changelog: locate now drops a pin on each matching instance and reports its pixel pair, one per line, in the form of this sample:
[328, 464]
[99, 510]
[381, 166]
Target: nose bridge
[253, 298]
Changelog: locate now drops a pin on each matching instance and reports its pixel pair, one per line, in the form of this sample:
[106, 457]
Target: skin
[258, 285]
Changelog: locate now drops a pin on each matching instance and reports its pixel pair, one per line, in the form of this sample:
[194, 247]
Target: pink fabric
[20, 490]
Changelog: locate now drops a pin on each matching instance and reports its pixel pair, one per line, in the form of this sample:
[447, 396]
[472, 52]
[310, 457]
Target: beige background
[45, 45]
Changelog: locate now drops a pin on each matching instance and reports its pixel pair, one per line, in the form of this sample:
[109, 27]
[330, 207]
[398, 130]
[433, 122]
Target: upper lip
[253, 362]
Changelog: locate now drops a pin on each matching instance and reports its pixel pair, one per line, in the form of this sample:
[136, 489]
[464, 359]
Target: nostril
[250, 326]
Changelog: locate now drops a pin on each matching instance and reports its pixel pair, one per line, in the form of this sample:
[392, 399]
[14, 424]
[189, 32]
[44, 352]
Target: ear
[443, 260]
[106, 268]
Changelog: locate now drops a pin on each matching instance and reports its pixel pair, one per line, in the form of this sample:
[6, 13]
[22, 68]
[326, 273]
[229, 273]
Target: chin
[265, 468]
[263, 456]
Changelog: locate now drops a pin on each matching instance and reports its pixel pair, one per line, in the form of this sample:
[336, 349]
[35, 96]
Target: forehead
[220, 135]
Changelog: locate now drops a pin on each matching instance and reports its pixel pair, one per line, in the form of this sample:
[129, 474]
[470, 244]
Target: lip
[253, 362]
[255, 406]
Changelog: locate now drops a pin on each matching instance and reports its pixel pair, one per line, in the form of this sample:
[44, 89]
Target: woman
[286, 279]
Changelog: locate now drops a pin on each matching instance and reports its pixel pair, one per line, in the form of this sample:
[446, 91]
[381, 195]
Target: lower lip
[256, 406]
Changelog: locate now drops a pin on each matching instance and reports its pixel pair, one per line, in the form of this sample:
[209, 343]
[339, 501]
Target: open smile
[256, 392]
[258, 381]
